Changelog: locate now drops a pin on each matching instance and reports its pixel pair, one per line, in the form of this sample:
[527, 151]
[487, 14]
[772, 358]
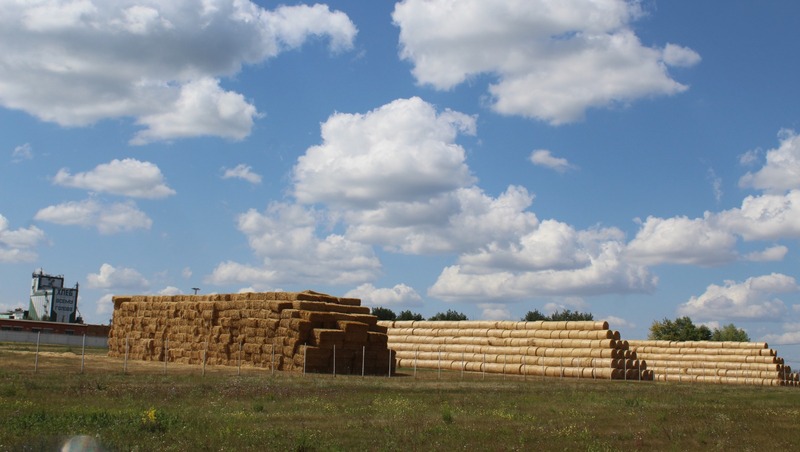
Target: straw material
[283, 330]
[551, 349]
[749, 363]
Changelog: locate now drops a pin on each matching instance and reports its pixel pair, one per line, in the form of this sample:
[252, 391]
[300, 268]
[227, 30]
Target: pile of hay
[582, 349]
[281, 330]
[748, 363]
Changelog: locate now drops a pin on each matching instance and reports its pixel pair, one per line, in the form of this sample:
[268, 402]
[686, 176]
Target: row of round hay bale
[506, 333]
[529, 370]
[705, 351]
[724, 362]
[407, 349]
[568, 349]
[512, 358]
[501, 324]
[684, 378]
[510, 342]
[698, 344]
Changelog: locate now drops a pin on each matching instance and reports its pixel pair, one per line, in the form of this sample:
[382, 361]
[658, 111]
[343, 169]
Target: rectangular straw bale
[311, 306]
[349, 301]
[327, 338]
[290, 314]
[356, 332]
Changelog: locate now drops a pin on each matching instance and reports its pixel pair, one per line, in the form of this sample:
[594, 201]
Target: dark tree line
[560, 316]
[387, 314]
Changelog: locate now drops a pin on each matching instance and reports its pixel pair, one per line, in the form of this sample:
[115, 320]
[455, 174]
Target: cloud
[751, 299]
[782, 169]
[22, 152]
[242, 171]
[716, 184]
[186, 272]
[594, 264]
[16, 245]
[543, 157]
[107, 218]
[399, 295]
[456, 221]
[201, 109]
[491, 311]
[790, 335]
[402, 151]
[285, 238]
[105, 305]
[771, 254]
[681, 240]
[121, 278]
[160, 63]
[551, 61]
[170, 290]
[766, 217]
[128, 177]
[616, 323]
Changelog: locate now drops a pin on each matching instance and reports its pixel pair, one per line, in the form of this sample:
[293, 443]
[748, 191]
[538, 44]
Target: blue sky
[637, 160]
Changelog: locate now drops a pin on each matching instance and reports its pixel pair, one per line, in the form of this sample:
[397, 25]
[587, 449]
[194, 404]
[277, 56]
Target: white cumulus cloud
[242, 171]
[127, 177]
[402, 151]
[781, 171]
[285, 237]
[77, 62]
[545, 158]
[22, 152]
[399, 295]
[116, 278]
[107, 218]
[551, 60]
[16, 245]
[681, 240]
[753, 298]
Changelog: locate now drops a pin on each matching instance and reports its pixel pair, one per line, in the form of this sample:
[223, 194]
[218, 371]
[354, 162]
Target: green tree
[533, 316]
[449, 315]
[680, 329]
[408, 315]
[730, 333]
[383, 313]
[566, 314]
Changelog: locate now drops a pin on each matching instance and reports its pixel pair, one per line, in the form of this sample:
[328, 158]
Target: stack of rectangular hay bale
[282, 330]
[748, 363]
[583, 349]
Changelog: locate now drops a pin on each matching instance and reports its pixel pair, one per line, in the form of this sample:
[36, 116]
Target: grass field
[143, 408]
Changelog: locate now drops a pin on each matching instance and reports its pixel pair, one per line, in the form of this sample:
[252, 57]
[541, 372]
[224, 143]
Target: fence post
[363, 358]
[305, 349]
[334, 360]
[36, 360]
[416, 355]
[272, 359]
[439, 365]
[205, 355]
[390, 363]
[83, 353]
[625, 369]
[166, 354]
[125, 364]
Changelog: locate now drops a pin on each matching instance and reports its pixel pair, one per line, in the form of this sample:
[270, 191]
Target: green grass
[144, 409]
